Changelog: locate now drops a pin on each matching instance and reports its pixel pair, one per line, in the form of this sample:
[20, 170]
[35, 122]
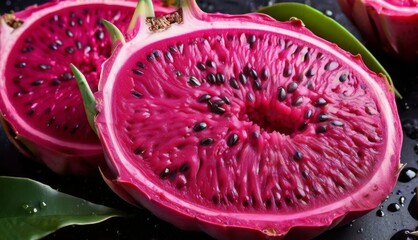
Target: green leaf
[329, 29]
[87, 95]
[114, 33]
[32, 210]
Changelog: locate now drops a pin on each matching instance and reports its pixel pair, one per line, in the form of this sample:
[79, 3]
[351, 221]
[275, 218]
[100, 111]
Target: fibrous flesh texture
[246, 128]
[388, 24]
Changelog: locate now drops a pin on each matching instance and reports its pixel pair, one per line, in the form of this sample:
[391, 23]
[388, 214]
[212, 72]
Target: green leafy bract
[32, 210]
[327, 28]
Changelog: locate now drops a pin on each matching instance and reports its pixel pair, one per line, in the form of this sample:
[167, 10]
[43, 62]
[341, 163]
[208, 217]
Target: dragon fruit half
[388, 24]
[40, 104]
[244, 127]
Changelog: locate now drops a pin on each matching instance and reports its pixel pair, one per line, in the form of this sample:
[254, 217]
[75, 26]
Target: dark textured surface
[145, 226]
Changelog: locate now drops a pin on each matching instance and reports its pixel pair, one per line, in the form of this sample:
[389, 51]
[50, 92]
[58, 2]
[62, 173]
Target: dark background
[145, 226]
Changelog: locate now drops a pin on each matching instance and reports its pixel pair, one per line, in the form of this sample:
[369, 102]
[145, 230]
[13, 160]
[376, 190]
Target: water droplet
[394, 207]
[42, 204]
[380, 213]
[407, 174]
[402, 200]
[403, 234]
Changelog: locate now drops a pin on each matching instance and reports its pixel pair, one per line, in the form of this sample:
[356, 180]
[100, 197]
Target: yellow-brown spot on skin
[12, 21]
[270, 232]
[162, 23]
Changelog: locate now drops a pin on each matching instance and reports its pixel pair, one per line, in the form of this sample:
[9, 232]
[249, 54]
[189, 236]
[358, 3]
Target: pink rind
[394, 29]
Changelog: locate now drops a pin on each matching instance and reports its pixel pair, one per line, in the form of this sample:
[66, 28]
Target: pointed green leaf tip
[329, 29]
[114, 32]
[32, 210]
[87, 95]
[144, 8]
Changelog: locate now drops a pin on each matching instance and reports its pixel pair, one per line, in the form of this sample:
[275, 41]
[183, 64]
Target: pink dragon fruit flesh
[388, 24]
[245, 127]
[40, 103]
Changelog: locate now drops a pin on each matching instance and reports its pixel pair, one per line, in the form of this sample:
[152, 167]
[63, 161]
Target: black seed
[321, 129]
[193, 81]
[69, 33]
[139, 151]
[137, 72]
[180, 47]
[247, 70]
[298, 101]
[320, 102]
[218, 102]
[211, 78]
[265, 74]
[242, 79]
[308, 114]
[19, 93]
[302, 126]
[253, 73]
[322, 117]
[72, 23]
[337, 123]
[204, 98]
[287, 71]
[331, 66]
[55, 82]
[44, 66]
[27, 49]
[169, 57]
[99, 22]
[53, 46]
[226, 99]
[343, 77]
[100, 34]
[20, 65]
[201, 66]
[310, 73]
[37, 82]
[297, 156]
[87, 49]
[164, 173]
[55, 18]
[78, 44]
[251, 39]
[75, 128]
[151, 57]
[31, 112]
[215, 108]
[233, 83]
[156, 53]
[210, 63]
[140, 65]
[206, 141]
[257, 84]
[184, 168]
[200, 127]
[70, 50]
[66, 76]
[233, 140]
[220, 79]
[178, 73]
[80, 21]
[250, 97]
[281, 94]
[173, 49]
[135, 93]
[50, 121]
[320, 56]
[292, 87]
